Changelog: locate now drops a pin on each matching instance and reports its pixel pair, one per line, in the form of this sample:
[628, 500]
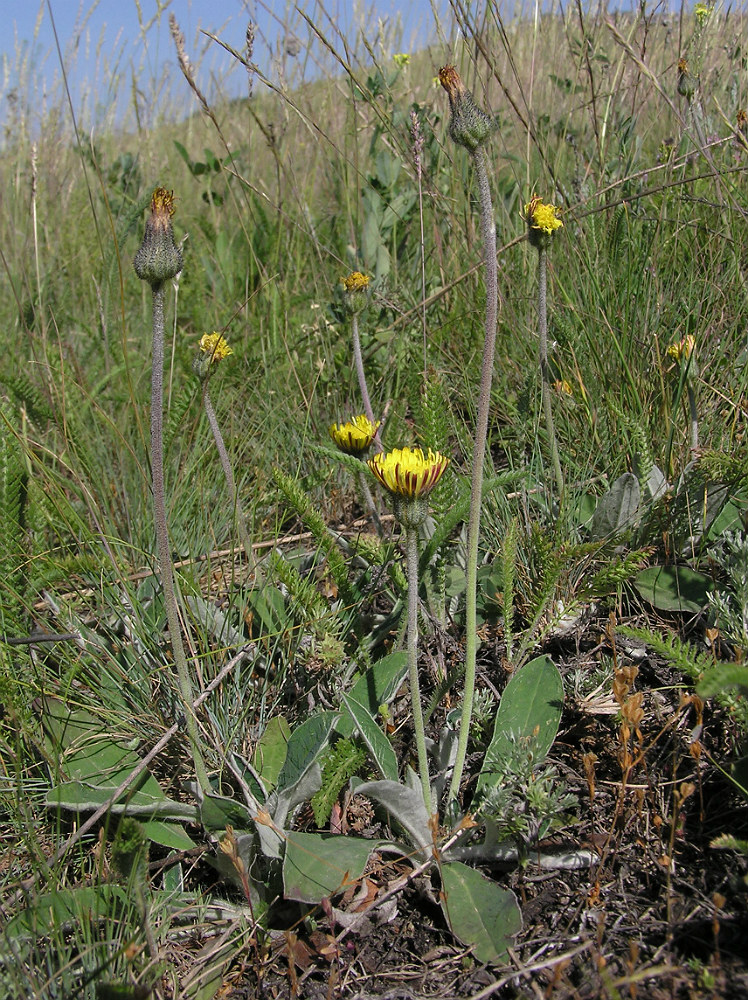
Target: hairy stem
[411, 547]
[162, 535]
[488, 233]
[228, 472]
[359, 362]
[694, 417]
[545, 368]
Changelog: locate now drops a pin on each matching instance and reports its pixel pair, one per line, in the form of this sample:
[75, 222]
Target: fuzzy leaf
[479, 912]
[617, 508]
[271, 751]
[304, 744]
[378, 686]
[404, 804]
[379, 746]
[318, 865]
[530, 709]
[673, 588]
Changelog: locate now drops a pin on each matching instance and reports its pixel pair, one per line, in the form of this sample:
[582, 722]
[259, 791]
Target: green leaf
[304, 744]
[723, 677]
[529, 710]
[727, 842]
[168, 835]
[674, 588]
[218, 812]
[379, 746]
[83, 796]
[270, 754]
[318, 865]
[378, 686]
[52, 911]
[97, 765]
[618, 508]
[479, 912]
[404, 804]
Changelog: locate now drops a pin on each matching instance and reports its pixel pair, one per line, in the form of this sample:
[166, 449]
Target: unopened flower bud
[469, 126]
[686, 81]
[159, 259]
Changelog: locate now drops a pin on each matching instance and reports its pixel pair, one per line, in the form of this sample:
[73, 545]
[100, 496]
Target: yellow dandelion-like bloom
[541, 216]
[683, 349]
[563, 387]
[407, 472]
[215, 345]
[354, 436]
[701, 12]
[356, 282]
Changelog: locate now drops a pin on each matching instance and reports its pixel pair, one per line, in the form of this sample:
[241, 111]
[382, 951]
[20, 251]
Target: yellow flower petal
[407, 472]
[216, 345]
[354, 435]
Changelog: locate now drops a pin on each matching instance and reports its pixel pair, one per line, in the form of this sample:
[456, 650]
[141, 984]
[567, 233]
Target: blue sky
[101, 40]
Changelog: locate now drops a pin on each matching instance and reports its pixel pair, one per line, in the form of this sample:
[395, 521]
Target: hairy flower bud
[159, 258]
[469, 126]
[686, 81]
[355, 292]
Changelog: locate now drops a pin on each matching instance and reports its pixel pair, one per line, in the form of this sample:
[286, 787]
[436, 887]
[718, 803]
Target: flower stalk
[471, 127]
[356, 291]
[213, 349]
[683, 353]
[542, 222]
[159, 260]
[409, 476]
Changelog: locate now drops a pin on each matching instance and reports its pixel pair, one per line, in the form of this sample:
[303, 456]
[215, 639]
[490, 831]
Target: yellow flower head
[162, 203]
[355, 292]
[541, 216]
[683, 349]
[407, 472]
[215, 346]
[701, 12]
[563, 386]
[354, 436]
[401, 59]
[355, 282]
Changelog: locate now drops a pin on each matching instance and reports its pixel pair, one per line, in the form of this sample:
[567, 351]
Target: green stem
[545, 368]
[369, 502]
[411, 547]
[228, 473]
[359, 363]
[488, 233]
[694, 417]
[162, 534]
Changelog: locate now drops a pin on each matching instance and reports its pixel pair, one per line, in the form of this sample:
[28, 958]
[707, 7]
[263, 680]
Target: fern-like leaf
[314, 521]
[343, 761]
[682, 655]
